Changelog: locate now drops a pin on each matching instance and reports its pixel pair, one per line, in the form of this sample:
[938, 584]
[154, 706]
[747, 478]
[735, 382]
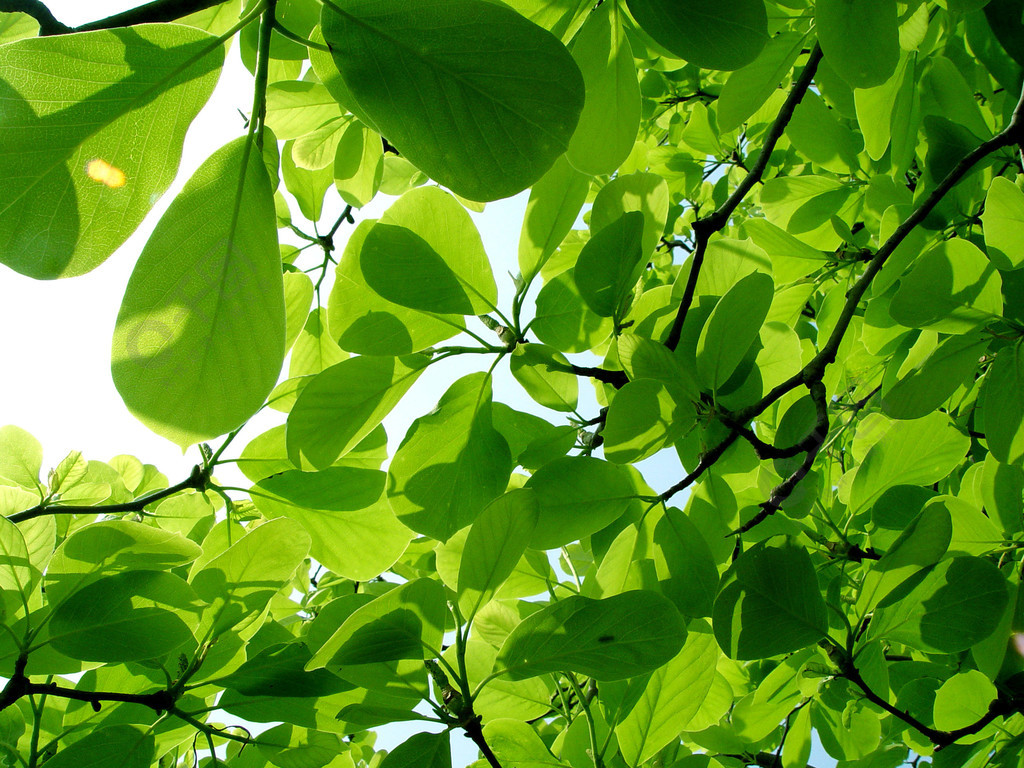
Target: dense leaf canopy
[779, 240]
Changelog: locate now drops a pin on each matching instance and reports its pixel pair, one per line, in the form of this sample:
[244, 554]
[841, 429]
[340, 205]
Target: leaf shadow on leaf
[382, 327]
[57, 137]
[402, 267]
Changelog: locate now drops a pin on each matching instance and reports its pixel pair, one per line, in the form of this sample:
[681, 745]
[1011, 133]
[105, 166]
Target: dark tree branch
[815, 370]
[812, 444]
[197, 481]
[707, 460]
[704, 228]
[998, 708]
[150, 13]
[48, 24]
[476, 733]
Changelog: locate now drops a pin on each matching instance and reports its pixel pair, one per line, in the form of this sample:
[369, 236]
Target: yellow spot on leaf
[105, 173]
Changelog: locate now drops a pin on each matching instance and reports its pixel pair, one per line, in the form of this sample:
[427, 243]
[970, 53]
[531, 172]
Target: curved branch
[196, 481]
[704, 228]
[48, 24]
[707, 460]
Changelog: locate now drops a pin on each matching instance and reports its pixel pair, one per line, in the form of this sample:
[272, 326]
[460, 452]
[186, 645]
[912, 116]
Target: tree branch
[196, 481]
[998, 708]
[704, 228]
[707, 460]
[812, 444]
[815, 370]
[48, 24]
[150, 13]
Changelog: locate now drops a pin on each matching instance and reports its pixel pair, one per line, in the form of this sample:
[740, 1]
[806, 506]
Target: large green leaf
[21, 457]
[555, 202]
[748, 88]
[1004, 224]
[714, 34]
[353, 530]
[916, 452]
[477, 97]
[424, 750]
[770, 603]
[1003, 402]
[364, 322]
[425, 253]
[114, 746]
[495, 544]
[126, 617]
[199, 340]
[452, 462]
[945, 608]
[844, 25]
[242, 580]
[732, 327]
[642, 419]
[671, 698]
[406, 623]
[541, 371]
[342, 405]
[611, 112]
[953, 288]
[610, 264]
[93, 126]
[923, 387]
[577, 496]
[113, 546]
[280, 670]
[610, 639]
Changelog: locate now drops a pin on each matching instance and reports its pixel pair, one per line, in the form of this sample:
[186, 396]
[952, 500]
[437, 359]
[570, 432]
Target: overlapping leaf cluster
[783, 239]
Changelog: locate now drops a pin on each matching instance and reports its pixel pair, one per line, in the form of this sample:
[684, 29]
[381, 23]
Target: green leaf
[555, 202]
[611, 112]
[642, 419]
[280, 670]
[425, 253]
[478, 98]
[423, 750]
[199, 340]
[963, 700]
[366, 323]
[644, 192]
[1002, 398]
[289, 746]
[916, 452]
[242, 580]
[844, 25]
[93, 127]
[577, 496]
[112, 746]
[714, 35]
[671, 698]
[405, 623]
[307, 186]
[21, 457]
[564, 321]
[113, 546]
[1003, 220]
[17, 573]
[352, 528]
[126, 617]
[496, 542]
[610, 639]
[609, 266]
[770, 603]
[925, 386]
[342, 405]
[452, 462]
[945, 608]
[749, 87]
[517, 743]
[358, 165]
[733, 326]
[687, 574]
[534, 366]
[297, 107]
